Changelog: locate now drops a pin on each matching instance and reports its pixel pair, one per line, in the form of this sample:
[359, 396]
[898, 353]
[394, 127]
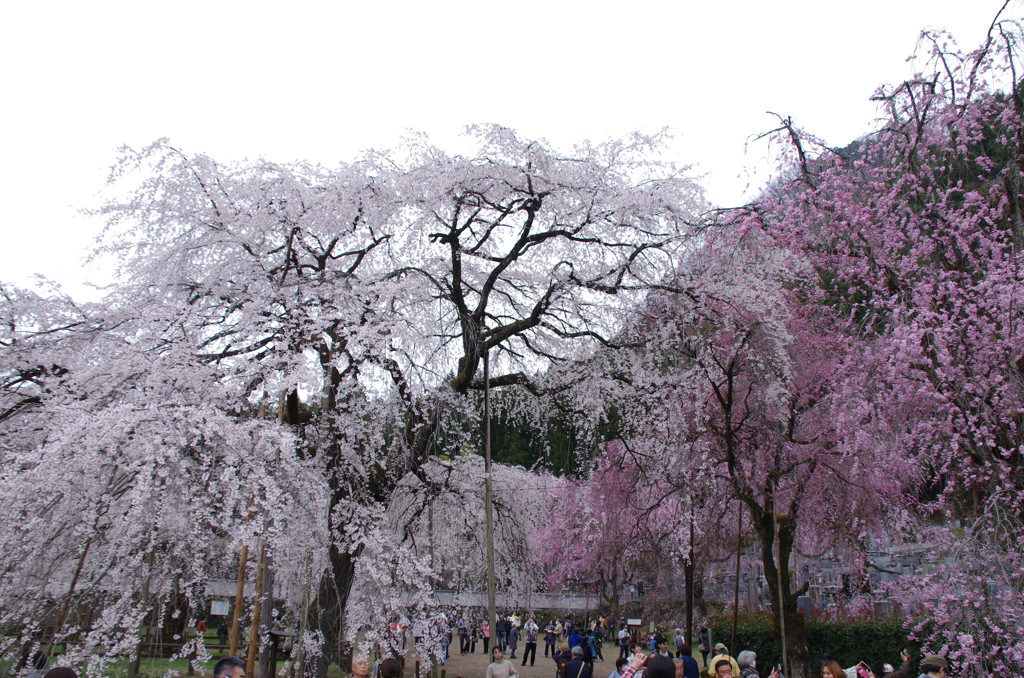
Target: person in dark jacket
[747, 661]
[690, 668]
[562, 658]
[513, 640]
[705, 644]
[578, 667]
[550, 638]
[905, 671]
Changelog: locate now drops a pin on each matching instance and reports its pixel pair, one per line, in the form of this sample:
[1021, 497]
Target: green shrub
[848, 641]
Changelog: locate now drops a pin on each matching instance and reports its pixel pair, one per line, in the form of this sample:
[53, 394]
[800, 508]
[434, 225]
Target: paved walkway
[475, 665]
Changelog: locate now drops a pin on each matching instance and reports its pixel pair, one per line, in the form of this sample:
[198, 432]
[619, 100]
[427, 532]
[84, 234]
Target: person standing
[473, 634]
[463, 626]
[530, 653]
[500, 667]
[575, 639]
[705, 644]
[549, 638]
[502, 627]
[222, 633]
[561, 660]
[679, 641]
[513, 640]
[485, 629]
[722, 654]
[598, 640]
[623, 641]
[445, 629]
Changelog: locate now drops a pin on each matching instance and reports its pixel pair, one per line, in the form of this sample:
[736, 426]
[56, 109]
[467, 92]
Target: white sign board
[633, 622]
[219, 608]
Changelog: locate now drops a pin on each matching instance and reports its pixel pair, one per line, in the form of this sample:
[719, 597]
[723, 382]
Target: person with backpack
[578, 667]
[598, 640]
[561, 660]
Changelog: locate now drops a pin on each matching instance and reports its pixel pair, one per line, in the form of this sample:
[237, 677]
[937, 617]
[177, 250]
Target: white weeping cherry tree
[126, 478]
[355, 304]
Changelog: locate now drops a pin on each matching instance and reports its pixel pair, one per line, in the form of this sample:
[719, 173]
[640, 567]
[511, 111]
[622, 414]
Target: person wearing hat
[722, 653]
[934, 666]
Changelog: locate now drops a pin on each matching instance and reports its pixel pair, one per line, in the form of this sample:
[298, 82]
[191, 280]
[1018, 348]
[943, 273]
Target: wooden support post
[736, 594]
[254, 626]
[243, 561]
[268, 655]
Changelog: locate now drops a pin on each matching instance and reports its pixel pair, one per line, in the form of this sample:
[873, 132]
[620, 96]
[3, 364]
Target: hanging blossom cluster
[125, 479]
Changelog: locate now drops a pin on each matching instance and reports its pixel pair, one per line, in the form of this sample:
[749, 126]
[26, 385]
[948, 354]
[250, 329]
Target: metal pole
[736, 593]
[489, 509]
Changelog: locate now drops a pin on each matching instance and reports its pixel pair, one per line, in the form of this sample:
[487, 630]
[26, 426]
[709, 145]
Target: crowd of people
[574, 651]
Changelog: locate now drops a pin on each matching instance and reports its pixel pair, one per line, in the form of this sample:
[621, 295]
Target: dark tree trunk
[334, 592]
[798, 654]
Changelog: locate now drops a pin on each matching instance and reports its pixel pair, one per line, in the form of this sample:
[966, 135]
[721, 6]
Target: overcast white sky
[322, 81]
